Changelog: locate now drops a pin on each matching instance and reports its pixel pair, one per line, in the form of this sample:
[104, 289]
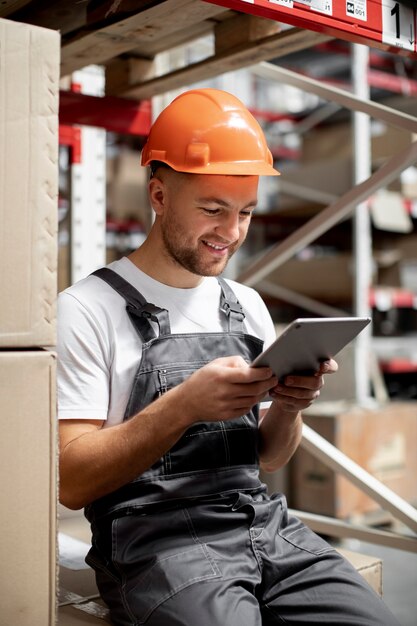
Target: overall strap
[231, 306]
[139, 310]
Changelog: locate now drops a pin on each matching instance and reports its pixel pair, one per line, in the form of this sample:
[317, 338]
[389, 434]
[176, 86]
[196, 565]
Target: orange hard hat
[208, 131]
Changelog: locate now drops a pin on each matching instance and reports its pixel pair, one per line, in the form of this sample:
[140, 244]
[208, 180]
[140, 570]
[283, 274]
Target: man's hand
[224, 389]
[299, 392]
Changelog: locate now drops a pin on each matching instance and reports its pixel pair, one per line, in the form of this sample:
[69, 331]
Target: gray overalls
[196, 540]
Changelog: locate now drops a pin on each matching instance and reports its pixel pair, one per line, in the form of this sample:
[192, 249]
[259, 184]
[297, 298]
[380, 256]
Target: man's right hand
[224, 389]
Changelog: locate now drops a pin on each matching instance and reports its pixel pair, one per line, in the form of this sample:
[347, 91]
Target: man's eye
[246, 213]
[211, 211]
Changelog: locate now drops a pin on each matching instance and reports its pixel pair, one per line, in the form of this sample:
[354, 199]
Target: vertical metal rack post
[88, 187]
[362, 225]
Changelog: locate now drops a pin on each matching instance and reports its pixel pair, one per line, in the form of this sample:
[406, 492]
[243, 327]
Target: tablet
[308, 341]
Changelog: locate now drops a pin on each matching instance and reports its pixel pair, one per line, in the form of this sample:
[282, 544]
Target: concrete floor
[399, 572]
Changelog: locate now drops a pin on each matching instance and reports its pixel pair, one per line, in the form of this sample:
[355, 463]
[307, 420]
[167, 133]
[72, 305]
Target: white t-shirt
[99, 350]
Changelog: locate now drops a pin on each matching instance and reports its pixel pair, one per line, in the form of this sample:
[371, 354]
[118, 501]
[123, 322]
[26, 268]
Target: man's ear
[157, 195]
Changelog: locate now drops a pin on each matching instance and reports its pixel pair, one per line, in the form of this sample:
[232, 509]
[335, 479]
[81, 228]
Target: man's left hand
[297, 392]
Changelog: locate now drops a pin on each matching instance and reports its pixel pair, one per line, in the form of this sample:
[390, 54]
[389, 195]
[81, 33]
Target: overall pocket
[154, 567]
[298, 535]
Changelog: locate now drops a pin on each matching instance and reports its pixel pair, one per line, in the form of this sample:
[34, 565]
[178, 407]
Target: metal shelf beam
[384, 24]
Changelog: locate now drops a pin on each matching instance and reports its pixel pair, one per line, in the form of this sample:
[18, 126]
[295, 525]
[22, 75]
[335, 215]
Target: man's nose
[229, 228]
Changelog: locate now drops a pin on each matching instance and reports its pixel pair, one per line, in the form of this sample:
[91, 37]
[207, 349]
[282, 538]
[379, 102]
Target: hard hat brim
[237, 168]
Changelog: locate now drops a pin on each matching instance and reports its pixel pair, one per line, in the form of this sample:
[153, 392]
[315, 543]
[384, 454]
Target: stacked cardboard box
[382, 440]
[29, 76]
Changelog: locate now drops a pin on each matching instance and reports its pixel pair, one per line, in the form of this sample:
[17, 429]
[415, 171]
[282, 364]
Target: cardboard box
[127, 188]
[79, 601]
[370, 567]
[328, 278]
[29, 82]
[28, 488]
[383, 441]
[335, 141]
[394, 259]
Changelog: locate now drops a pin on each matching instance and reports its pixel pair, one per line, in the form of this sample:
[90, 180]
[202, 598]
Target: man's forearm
[100, 461]
[280, 434]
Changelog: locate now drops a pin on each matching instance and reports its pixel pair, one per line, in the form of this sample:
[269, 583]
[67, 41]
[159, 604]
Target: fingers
[250, 393]
[298, 392]
[328, 367]
[314, 381]
[294, 398]
[238, 370]
[230, 361]
[231, 388]
[293, 405]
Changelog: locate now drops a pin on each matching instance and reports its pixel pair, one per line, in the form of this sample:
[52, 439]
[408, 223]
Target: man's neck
[164, 270]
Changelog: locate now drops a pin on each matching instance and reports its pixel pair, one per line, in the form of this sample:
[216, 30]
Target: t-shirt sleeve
[83, 358]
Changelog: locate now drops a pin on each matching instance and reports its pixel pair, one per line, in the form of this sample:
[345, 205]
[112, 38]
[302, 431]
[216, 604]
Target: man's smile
[216, 246]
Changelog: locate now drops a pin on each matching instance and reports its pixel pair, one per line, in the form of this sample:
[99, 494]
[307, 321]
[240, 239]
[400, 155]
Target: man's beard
[191, 258]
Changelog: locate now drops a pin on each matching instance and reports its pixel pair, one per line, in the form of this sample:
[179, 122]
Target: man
[160, 435]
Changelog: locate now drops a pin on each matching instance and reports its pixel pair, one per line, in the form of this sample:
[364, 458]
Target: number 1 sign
[398, 25]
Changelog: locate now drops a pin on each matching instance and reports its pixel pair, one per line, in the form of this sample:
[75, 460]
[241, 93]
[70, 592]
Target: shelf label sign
[388, 23]
[398, 25]
[323, 6]
[356, 9]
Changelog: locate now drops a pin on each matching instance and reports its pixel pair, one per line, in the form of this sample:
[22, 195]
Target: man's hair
[155, 165]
